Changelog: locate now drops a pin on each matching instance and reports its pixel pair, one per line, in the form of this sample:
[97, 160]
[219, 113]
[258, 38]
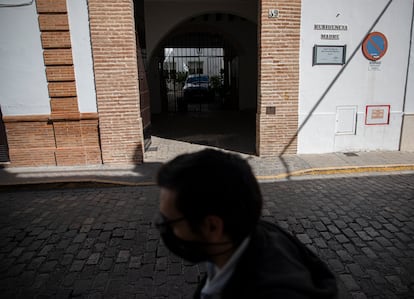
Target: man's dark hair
[211, 182]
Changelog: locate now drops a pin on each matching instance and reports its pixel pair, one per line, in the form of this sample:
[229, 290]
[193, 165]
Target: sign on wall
[377, 115]
[329, 54]
[375, 46]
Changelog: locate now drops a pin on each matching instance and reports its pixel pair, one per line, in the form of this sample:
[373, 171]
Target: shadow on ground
[229, 130]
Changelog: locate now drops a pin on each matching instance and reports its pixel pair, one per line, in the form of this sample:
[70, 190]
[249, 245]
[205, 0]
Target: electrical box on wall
[345, 120]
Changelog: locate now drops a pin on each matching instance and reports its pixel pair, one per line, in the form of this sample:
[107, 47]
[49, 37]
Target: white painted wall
[409, 101]
[23, 85]
[82, 54]
[358, 85]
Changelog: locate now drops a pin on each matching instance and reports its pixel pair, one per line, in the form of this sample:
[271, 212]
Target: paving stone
[89, 242]
[77, 265]
[120, 269]
[114, 286]
[17, 252]
[358, 295]
[129, 234]
[118, 233]
[349, 282]
[135, 262]
[356, 270]
[344, 256]
[304, 238]
[320, 243]
[81, 287]
[333, 229]
[104, 236]
[106, 264]
[15, 270]
[83, 254]
[44, 235]
[45, 250]
[383, 241]
[100, 281]
[40, 281]
[89, 220]
[72, 248]
[362, 222]
[364, 236]
[93, 259]
[63, 244]
[372, 232]
[35, 263]
[341, 238]
[376, 276]
[26, 257]
[35, 245]
[48, 267]
[80, 238]
[336, 265]
[123, 256]
[369, 252]
[67, 259]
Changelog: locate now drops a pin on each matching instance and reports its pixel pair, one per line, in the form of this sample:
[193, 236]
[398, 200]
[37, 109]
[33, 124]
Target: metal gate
[197, 73]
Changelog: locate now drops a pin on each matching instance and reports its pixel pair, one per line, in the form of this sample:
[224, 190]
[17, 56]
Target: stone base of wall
[40, 140]
[407, 140]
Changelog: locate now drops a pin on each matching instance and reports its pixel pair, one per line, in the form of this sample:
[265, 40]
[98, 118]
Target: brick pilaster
[116, 77]
[279, 41]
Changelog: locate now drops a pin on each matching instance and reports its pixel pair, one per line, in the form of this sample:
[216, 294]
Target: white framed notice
[329, 55]
[377, 115]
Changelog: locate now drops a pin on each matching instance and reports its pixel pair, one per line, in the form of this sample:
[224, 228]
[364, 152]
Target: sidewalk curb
[79, 181]
[261, 178]
[340, 170]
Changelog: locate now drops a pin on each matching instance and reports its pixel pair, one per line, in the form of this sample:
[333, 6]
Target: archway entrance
[200, 67]
[198, 72]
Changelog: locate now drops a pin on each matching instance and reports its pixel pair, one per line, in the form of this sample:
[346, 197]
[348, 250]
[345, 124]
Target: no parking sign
[374, 46]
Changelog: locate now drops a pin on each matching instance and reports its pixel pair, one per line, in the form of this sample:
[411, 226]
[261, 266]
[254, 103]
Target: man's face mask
[189, 250]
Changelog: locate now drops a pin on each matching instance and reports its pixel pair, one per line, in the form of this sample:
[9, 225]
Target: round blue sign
[374, 46]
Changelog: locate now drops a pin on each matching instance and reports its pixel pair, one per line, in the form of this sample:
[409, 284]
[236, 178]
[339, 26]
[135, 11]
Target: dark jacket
[276, 265]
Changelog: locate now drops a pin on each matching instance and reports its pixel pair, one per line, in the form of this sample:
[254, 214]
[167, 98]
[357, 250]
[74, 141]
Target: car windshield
[197, 79]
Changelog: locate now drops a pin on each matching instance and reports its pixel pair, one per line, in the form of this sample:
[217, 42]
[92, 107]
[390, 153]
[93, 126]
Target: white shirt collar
[218, 277]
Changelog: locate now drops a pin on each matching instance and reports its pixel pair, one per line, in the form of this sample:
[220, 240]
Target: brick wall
[47, 140]
[279, 41]
[116, 77]
[66, 136]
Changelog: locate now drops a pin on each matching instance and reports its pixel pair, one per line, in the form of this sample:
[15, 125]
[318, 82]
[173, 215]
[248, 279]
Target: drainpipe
[406, 77]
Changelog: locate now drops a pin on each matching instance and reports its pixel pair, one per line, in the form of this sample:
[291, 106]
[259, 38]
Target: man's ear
[213, 228]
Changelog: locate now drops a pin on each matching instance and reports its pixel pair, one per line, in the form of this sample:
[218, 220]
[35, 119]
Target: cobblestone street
[99, 242]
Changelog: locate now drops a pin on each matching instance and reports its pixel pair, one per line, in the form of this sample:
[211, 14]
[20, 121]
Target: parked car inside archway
[197, 89]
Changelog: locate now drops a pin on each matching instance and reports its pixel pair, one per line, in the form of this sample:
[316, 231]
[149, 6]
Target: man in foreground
[210, 208]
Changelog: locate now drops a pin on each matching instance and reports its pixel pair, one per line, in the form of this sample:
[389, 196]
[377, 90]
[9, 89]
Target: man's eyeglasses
[161, 222]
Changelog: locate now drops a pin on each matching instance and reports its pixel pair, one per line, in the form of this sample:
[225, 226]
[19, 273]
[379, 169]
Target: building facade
[322, 75]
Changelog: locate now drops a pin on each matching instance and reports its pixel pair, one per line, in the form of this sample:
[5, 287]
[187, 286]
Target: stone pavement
[266, 169]
[99, 242]
[90, 242]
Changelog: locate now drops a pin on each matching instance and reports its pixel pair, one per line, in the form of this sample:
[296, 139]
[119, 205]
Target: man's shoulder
[275, 262]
